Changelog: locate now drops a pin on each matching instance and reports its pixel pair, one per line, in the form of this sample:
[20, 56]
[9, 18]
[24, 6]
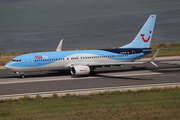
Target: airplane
[82, 62]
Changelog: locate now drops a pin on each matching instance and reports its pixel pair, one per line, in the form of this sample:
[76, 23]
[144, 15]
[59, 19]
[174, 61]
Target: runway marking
[2, 68]
[154, 73]
[170, 69]
[47, 79]
[91, 89]
[171, 62]
[28, 80]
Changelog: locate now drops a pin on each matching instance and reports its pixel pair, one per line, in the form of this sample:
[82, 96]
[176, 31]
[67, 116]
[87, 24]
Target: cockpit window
[14, 60]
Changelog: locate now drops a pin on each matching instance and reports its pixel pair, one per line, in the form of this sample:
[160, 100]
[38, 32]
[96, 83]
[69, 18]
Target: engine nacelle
[80, 70]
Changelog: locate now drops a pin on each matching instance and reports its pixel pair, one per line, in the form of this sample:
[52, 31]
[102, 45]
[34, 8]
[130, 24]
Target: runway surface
[48, 82]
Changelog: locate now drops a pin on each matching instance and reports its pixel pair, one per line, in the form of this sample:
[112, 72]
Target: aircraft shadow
[94, 73]
[118, 77]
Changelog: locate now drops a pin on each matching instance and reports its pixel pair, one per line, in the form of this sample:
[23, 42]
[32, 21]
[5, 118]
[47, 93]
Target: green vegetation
[156, 103]
[174, 49]
[5, 57]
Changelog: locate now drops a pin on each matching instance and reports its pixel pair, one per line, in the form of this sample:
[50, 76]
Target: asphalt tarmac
[49, 82]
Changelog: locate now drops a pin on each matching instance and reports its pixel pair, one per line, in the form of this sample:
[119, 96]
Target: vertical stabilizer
[143, 38]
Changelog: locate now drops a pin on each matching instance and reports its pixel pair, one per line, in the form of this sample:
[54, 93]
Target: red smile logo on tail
[142, 35]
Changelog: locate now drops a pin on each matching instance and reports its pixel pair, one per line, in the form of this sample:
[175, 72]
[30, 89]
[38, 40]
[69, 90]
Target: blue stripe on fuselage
[42, 57]
[137, 50]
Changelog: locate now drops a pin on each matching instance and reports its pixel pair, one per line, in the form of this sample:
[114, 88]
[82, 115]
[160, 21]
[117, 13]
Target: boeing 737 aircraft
[81, 62]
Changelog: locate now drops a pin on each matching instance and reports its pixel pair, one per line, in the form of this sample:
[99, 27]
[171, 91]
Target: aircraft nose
[6, 66]
[9, 65]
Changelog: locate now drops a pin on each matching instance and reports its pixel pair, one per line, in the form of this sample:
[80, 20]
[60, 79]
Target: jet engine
[79, 70]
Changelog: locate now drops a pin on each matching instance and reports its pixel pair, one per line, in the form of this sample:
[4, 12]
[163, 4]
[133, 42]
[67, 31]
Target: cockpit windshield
[14, 60]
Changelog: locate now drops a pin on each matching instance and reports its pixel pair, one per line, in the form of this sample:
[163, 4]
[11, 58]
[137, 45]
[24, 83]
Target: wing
[113, 64]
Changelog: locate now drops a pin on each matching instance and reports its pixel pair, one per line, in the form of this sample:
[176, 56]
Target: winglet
[60, 45]
[153, 58]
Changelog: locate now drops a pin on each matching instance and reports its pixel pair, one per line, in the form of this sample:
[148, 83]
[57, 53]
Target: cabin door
[30, 61]
[133, 53]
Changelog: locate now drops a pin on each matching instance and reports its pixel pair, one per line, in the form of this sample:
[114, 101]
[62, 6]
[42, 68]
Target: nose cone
[9, 65]
[6, 66]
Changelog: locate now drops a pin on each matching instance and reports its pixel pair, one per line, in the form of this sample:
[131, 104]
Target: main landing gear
[21, 74]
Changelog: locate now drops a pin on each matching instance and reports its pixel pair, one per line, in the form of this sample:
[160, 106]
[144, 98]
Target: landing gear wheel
[92, 73]
[22, 76]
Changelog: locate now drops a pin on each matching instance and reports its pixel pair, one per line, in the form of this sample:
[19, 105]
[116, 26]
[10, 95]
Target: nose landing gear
[21, 74]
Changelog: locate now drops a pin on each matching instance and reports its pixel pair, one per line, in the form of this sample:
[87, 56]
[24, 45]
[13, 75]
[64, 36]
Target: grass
[174, 49]
[5, 57]
[156, 103]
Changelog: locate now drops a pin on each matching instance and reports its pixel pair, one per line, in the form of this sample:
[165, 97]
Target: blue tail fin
[143, 38]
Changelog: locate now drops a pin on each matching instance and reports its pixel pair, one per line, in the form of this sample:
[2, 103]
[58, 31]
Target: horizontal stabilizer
[153, 58]
[154, 64]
